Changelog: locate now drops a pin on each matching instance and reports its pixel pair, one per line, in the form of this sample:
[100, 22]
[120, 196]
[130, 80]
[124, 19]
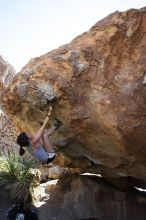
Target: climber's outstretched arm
[38, 135]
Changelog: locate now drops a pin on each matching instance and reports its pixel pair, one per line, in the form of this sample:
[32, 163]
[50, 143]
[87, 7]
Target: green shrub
[15, 176]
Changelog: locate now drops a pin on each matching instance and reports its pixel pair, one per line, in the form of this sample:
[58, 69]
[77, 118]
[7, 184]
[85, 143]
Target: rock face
[8, 134]
[7, 130]
[80, 198]
[97, 86]
[7, 72]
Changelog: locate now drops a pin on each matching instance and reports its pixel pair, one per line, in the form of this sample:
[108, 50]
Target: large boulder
[8, 132]
[83, 198]
[7, 72]
[97, 86]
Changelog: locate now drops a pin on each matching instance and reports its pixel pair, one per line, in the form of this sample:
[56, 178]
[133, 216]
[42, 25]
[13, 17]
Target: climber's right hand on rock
[49, 111]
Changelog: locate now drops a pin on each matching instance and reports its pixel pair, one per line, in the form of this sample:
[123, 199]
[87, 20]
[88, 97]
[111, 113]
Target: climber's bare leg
[50, 130]
[48, 146]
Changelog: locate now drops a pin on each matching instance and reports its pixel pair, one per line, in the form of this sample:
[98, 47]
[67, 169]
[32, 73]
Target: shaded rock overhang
[97, 87]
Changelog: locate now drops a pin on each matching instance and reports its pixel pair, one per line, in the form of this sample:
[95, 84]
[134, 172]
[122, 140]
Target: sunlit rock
[97, 87]
[8, 132]
[7, 72]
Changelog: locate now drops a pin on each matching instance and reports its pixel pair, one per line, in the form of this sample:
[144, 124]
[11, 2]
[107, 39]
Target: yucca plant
[15, 176]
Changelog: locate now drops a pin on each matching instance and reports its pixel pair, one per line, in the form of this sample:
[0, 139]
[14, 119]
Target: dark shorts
[49, 160]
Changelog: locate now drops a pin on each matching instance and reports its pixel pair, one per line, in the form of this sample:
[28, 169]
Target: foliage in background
[15, 176]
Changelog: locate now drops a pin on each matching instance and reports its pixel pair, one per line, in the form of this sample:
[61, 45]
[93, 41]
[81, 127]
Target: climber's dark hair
[23, 141]
[21, 151]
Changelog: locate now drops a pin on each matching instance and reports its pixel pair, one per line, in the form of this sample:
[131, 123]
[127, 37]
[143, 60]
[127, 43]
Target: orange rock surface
[97, 87]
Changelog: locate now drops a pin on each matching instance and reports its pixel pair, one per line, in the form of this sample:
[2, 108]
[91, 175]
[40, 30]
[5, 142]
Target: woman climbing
[44, 151]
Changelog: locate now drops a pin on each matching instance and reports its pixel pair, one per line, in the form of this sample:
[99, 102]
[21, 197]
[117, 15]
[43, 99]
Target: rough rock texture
[82, 198]
[8, 132]
[97, 85]
[55, 172]
[7, 72]
[76, 198]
